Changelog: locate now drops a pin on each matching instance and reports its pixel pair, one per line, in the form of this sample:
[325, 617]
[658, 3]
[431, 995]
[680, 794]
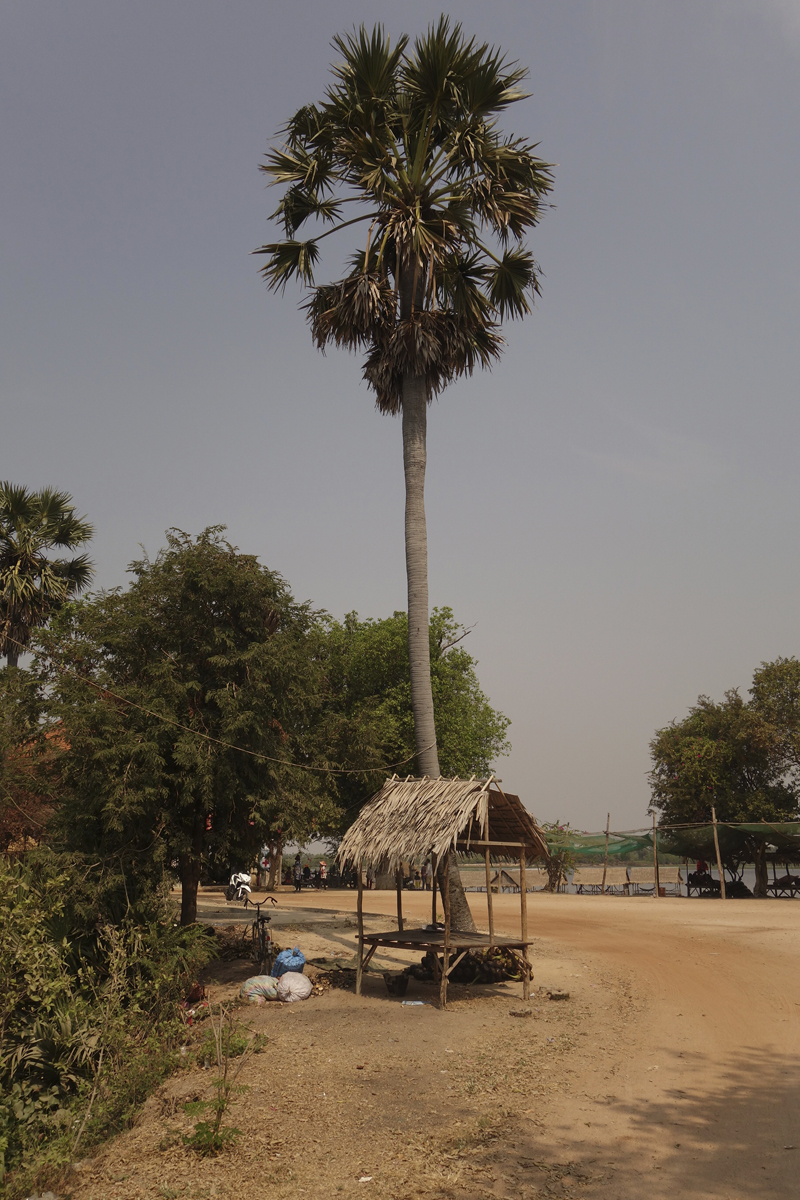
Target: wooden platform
[433, 939]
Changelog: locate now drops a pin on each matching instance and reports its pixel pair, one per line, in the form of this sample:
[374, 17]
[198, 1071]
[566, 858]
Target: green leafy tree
[173, 688]
[407, 143]
[369, 700]
[33, 584]
[562, 857]
[775, 696]
[727, 755]
[26, 761]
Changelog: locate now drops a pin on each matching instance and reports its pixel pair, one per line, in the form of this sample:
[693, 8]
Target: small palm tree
[407, 138]
[32, 585]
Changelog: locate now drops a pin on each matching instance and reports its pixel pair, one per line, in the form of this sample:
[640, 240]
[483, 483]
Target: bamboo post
[719, 856]
[523, 895]
[399, 881]
[605, 857]
[360, 916]
[434, 885]
[446, 958]
[656, 889]
[489, 893]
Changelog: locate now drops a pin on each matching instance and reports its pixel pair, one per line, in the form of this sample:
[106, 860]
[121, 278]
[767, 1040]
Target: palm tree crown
[410, 137]
[32, 585]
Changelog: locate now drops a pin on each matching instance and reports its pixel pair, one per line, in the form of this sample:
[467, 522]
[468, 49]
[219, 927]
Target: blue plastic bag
[288, 960]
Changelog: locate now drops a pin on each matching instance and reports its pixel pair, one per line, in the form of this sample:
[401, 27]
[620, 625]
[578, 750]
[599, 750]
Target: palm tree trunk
[762, 874]
[415, 423]
[190, 867]
[415, 420]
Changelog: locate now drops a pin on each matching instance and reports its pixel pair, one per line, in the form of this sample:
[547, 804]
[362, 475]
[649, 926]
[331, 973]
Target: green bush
[89, 1022]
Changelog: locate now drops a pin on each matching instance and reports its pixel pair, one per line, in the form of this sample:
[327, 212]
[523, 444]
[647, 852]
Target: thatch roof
[411, 817]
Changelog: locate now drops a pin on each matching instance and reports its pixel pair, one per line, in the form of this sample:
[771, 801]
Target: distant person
[426, 875]
[370, 879]
[307, 873]
[297, 874]
[702, 866]
[323, 873]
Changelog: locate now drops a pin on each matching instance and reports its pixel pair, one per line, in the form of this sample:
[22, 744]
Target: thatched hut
[410, 818]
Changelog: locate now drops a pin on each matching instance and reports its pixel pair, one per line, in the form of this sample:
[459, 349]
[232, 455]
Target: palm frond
[352, 312]
[299, 203]
[304, 127]
[513, 279]
[288, 260]
[311, 169]
[368, 66]
[461, 282]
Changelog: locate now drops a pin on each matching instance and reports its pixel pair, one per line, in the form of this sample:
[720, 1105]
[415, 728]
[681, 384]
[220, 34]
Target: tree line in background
[184, 721]
[741, 757]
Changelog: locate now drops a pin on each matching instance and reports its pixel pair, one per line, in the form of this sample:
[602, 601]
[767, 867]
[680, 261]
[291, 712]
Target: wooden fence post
[605, 857]
[523, 923]
[656, 889]
[446, 958]
[360, 916]
[434, 885]
[719, 856]
[489, 892]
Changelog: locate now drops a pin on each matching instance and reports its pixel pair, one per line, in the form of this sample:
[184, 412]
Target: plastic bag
[294, 986]
[259, 988]
[288, 960]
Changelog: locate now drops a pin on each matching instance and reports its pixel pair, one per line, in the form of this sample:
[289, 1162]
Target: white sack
[294, 986]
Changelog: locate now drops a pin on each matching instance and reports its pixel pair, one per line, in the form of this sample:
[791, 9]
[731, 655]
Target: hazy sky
[614, 507]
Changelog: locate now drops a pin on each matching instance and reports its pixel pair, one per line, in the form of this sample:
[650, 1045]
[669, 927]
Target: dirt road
[702, 1083]
[670, 1072]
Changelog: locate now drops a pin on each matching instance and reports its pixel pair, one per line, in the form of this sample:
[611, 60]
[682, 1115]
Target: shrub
[88, 1013]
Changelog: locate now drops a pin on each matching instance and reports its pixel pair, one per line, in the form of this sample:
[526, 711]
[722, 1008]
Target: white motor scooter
[239, 886]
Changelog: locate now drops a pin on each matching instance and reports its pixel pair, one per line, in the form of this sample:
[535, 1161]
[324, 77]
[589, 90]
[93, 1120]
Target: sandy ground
[670, 1071]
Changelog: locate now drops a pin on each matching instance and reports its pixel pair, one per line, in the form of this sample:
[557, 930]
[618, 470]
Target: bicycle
[262, 939]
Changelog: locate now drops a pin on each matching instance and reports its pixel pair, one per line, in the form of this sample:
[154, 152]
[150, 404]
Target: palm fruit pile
[478, 966]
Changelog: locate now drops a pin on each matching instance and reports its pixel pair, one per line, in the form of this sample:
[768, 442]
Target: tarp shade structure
[736, 841]
[593, 845]
[409, 818]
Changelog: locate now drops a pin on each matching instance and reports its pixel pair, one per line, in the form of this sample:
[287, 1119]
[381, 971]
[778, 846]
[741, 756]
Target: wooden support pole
[523, 922]
[360, 917]
[399, 881]
[446, 960]
[656, 889]
[489, 893]
[434, 885]
[719, 856]
[605, 857]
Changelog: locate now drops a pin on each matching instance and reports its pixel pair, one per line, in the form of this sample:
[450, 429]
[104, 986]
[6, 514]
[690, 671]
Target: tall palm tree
[32, 585]
[409, 137]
